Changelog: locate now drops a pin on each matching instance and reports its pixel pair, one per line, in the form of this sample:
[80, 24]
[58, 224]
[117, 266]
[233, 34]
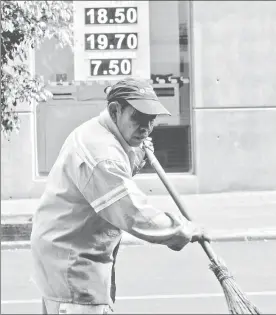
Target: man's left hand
[141, 154]
[148, 144]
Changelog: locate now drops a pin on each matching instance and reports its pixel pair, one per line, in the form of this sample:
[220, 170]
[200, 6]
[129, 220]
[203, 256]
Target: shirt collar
[106, 121]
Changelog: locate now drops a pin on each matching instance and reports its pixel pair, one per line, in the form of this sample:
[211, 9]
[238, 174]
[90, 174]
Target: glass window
[114, 39]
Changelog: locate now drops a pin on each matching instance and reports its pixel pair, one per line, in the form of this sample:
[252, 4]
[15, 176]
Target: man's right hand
[200, 235]
[190, 233]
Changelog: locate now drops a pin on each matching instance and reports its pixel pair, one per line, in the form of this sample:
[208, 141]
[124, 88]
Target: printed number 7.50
[111, 67]
[114, 68]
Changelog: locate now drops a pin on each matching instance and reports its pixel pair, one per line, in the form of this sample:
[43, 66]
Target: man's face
[134, 125]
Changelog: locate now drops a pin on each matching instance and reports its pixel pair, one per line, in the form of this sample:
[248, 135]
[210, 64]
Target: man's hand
[200, 235]
[141, 154]
[189, 232]
[148, 144]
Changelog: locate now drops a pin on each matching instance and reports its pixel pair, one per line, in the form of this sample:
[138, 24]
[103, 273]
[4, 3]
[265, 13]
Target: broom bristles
[237, 301]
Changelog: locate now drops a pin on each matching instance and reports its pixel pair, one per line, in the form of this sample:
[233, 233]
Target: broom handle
[162, 175]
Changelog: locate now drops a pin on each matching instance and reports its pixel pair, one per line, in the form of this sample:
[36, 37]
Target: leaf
[26, 24]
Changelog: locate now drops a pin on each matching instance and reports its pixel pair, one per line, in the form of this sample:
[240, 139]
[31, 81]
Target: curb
[13, 232]
[216, 236]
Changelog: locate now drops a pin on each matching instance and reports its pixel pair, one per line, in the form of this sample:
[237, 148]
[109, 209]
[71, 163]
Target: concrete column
[234, 80]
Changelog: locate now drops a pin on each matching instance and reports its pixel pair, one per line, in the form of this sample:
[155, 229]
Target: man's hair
[124, 104]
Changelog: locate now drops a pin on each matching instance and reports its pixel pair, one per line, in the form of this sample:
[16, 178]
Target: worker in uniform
[91, 197]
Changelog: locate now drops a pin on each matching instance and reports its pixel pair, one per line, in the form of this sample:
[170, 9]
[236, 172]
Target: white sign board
[111, 40]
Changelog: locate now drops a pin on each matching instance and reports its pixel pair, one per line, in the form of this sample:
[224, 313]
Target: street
[153, 279]
[86, 85]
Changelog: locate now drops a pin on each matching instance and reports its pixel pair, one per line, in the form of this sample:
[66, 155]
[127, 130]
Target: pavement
[234, 216]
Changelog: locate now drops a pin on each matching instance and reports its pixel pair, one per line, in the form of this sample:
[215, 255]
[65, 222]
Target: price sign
[110, 67]
[110, 15]
[111, 41]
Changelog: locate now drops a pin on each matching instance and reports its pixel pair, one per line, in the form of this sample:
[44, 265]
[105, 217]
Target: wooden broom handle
[162, 175]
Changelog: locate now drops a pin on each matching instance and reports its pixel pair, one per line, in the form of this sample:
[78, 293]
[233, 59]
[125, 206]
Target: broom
[236, 300]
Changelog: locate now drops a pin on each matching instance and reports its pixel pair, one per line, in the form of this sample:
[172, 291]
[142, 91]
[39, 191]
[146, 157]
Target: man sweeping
[91, 197]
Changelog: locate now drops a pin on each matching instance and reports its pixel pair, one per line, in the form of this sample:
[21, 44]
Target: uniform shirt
[90, 197]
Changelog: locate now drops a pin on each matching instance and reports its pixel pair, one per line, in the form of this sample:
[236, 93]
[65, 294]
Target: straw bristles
[237, 301]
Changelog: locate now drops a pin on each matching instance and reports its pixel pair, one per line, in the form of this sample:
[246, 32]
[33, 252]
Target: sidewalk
[227, 216]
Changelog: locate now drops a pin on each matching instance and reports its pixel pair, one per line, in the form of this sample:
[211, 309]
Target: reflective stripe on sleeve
[127, 188]
[109, 198]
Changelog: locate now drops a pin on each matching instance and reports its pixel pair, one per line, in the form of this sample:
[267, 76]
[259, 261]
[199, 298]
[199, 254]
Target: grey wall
[18, 179]
[234, 108]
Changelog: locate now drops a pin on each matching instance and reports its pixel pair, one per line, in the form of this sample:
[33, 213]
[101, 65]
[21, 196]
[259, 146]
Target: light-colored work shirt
[90, 197]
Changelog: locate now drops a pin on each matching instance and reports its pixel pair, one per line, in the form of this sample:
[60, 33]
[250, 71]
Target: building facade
[212, 64]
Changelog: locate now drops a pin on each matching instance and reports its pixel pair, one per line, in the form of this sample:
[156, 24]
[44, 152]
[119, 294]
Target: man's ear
[114, 110]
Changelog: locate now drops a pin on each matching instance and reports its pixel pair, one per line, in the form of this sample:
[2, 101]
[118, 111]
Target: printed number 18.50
[111, 15]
